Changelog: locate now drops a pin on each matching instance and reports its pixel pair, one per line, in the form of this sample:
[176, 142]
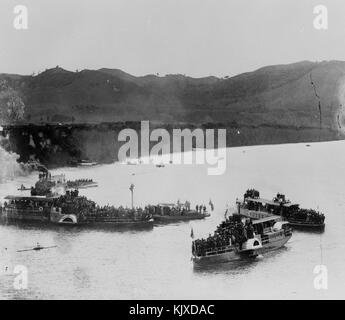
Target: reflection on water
[155, 263]
[232, 267]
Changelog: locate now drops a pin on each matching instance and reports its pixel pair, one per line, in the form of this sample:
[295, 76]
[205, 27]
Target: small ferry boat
[234, 239]
[70, 209]
[255, 207]
[74, 162]
[87, 163]
[171, 212]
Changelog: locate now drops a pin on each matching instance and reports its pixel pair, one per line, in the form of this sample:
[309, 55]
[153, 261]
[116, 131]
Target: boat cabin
[29, 202]
[268, 225]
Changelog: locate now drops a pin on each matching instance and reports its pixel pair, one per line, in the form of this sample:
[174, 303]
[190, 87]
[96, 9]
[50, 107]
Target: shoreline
[64, 145]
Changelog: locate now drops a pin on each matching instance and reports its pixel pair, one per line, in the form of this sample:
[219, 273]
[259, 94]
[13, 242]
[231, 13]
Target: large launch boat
[237, 238]
[70, 209]
[253, 206]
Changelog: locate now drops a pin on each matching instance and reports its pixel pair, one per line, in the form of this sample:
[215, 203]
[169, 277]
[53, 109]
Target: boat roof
[266, 219]
[36, 198]
[270, 202]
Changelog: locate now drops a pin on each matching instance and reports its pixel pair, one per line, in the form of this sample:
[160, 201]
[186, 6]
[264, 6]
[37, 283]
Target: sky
[193, 37]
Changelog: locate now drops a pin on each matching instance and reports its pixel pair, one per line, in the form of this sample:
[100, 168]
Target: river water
[155, 263]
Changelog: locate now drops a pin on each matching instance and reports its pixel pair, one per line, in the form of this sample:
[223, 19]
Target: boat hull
[273, 243]
[167, 218]
[56, 218]
[306, 226]
[219, 258]
[118, 224]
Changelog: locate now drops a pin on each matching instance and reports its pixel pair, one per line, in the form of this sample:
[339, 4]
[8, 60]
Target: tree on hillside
[11, 105]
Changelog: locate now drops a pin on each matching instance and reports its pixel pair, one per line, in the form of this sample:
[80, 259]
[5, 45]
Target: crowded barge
[170, 212]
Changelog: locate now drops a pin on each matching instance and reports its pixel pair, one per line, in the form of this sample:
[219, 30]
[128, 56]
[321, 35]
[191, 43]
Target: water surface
[155, 263]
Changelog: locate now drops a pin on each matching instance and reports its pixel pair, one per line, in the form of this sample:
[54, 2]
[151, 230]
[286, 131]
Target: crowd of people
[78, 183]
[230, 232]
[307, 215]
[176, 210]
[252, 193]
[280, 198]
[72, 203]
[201, 208]
[121, 212]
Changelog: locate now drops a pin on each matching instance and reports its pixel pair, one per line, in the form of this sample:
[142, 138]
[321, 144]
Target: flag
[192, 233]
[226, 211]
[131, 187]
[211, 205]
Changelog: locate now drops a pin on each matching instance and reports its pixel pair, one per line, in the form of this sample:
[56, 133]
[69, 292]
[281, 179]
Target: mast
[132, 200]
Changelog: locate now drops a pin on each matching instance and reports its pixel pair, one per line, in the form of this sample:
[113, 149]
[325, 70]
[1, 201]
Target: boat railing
[35, 212]
[219, 250]
[265, 238]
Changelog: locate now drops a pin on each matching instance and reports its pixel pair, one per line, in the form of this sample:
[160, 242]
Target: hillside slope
[283, 95]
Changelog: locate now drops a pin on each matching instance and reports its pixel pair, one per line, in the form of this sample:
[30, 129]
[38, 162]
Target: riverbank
[59, 145]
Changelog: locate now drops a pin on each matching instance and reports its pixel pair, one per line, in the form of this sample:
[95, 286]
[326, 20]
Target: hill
[282, 95]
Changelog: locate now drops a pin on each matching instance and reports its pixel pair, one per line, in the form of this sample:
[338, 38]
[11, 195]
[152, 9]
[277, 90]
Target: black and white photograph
[172, 150]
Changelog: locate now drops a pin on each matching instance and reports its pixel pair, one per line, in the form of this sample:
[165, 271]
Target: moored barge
[170, 212]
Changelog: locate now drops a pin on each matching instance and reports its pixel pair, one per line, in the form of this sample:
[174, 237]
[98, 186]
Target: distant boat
[87, 163]
[81, 184]
[160, 165]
